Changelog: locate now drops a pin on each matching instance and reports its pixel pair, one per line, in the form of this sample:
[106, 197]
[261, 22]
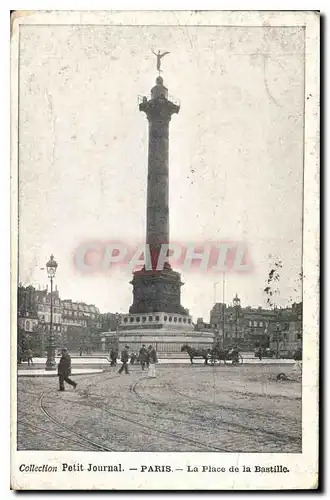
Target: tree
[297, 290]
[272, 288]
[272, 292]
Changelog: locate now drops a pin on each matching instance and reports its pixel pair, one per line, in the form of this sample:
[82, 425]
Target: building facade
[76, 325]
[286, 334]
[250, 327]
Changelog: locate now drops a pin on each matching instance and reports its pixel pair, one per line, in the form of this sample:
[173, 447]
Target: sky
[235, 162]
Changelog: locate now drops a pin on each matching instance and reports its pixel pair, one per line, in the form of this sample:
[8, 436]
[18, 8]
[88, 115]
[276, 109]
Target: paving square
[185, 408]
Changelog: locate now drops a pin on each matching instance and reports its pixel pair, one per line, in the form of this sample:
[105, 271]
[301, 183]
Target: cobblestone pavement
[185, 408]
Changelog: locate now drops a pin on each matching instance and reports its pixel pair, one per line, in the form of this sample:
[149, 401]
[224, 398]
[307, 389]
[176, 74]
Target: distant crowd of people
[147, 358]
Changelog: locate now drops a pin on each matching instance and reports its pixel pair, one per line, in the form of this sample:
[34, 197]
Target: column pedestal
[155, 291]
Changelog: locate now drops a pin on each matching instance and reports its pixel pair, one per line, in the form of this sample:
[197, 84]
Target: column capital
[159, 109]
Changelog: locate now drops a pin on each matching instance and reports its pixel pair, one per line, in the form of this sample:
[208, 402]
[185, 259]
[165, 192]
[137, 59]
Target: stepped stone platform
[167, 332]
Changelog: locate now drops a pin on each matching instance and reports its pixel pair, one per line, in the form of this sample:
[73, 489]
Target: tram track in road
[204, 423]
[284, 437]
[224, 406]
[200, 423]
[54, 434]
[148, 429]
[235, 428]
[40, 394]
[90, 442]
[88, 378]
[222, 425]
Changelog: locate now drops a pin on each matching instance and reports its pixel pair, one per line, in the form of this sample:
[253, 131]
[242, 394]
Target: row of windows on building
[258, 324]
[285, 336]
[77, 313]
[45, 310]
[79, 307]
[56, 310]
[30, 326]
[68, 312]
[56, 318]
[46, 300]
[171, 319]
[255, 323]
[76, 322]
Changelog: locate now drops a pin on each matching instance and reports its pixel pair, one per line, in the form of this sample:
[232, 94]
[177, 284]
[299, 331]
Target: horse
[195, 353]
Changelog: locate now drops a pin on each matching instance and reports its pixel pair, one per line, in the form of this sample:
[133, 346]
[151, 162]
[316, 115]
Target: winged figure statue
[159, 57]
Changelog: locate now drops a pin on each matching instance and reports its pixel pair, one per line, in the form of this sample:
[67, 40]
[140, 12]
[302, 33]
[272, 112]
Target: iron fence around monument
[170, 98]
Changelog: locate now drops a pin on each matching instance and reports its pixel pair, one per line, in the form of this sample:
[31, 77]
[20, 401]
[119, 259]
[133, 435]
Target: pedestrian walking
[64, 370]
[259, 353]
[152, 362]
[143, 356]
[29, 355]
[124, 360]
[235, 355]
[113, 357]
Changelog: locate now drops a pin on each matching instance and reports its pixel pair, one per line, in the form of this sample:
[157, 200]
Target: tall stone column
[157, 198]
[159, 111]
[157, 290]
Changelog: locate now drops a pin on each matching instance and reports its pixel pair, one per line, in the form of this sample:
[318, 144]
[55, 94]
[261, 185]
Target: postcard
[165, 250]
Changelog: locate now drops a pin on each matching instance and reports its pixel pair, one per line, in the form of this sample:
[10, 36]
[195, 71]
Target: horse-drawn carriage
[214, 355]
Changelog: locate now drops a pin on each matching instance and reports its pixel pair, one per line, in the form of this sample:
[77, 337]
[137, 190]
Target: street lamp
[51, 271]
[237, 303]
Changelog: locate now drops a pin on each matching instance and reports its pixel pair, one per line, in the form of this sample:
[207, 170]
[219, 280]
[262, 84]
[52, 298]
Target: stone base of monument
[165, 331]
[157, 291]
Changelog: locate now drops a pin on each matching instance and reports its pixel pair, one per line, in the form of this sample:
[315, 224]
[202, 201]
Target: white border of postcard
[303, 468]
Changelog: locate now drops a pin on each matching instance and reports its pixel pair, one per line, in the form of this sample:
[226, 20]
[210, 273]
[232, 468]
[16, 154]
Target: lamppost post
[236, 303]
[51, 267]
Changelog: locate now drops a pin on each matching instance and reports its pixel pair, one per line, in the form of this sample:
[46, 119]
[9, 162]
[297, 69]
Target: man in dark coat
[64, 370]
[152, 361]
[235, 355]
[124, 360]
[113, 357]
[143, 356]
